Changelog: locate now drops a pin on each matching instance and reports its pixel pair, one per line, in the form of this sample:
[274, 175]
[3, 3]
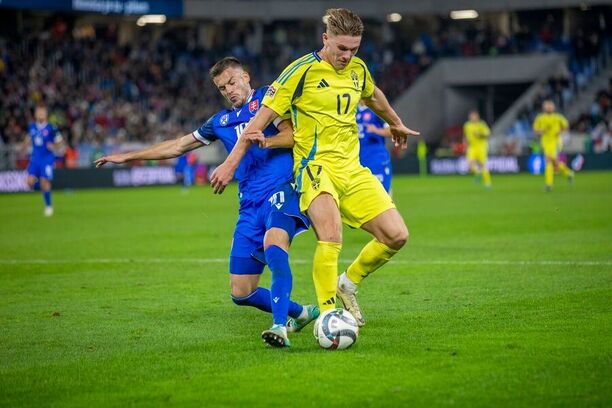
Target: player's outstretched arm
[160, 151]
[380, 131]
[223, 174]
[380, 105]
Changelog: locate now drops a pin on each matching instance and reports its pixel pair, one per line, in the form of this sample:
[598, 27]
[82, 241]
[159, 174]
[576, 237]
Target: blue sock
[36, 186]
[282, 281]
[47, 197]
[261, 299]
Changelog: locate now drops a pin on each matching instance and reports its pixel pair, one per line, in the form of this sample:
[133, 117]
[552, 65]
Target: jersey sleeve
[537, 124]
[57, 136]
[205, 134]
[282, 91]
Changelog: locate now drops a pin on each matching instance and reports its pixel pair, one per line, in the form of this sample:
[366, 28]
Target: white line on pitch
[301, 261]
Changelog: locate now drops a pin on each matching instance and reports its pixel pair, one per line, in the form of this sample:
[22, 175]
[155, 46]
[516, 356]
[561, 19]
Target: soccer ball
[336, 329]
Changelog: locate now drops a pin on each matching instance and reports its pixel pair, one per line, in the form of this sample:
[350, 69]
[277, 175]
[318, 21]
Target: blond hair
[341, 21]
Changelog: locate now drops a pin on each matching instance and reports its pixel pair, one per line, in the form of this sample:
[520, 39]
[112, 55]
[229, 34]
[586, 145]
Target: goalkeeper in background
[549, 125]
[476, 133]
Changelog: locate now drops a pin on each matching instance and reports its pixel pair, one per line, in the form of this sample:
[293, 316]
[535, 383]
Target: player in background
[43, 138]
[373, 153]
[269, 215]
[549, 125]
[322, 90]
[476, 133]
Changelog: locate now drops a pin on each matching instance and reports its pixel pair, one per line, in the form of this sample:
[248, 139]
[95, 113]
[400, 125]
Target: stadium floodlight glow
[151, 19]
[394, 17]
[463, 14]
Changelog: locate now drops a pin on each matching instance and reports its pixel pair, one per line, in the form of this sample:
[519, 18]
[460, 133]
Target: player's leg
[319, 199]
[473, 164]
[550, 155]
[369, 207]
[564, 170]
[45, 186]
[486, 175]
[327, 224]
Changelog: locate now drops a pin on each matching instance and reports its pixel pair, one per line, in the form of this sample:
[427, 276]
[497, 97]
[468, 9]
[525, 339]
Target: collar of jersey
[245, 102]
[41, 127]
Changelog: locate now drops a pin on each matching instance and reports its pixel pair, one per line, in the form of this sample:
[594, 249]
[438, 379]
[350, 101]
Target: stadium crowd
[100, 90]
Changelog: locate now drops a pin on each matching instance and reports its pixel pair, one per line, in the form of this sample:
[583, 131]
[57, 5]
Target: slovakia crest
[254, 105]
[45, 132]
[224, 119]
[367, 116]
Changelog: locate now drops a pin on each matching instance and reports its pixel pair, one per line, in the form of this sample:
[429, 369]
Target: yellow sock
[325, 273]
[565, 171]
[374, 255]
[549, 174]
[486, 177]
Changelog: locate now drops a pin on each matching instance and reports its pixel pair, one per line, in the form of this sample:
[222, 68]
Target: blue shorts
[382, 170]
[41, 169]
[280, 210]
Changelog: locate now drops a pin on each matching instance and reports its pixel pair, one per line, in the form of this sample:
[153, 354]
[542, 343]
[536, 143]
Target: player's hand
[113, 158]
[221, 177]
[400, 134]
[255, 137]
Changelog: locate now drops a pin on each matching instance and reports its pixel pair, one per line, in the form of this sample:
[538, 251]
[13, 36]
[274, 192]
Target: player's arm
[223, 174]
[165, 150]
[485, 131]
[282, 140]
[538, 127]
[378, 102]
[384, 131]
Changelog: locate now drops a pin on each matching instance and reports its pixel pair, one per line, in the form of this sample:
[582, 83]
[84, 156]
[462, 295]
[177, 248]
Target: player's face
[548, 107]
[339, 49]
[234, 85]
[40, 115]
[474, 116]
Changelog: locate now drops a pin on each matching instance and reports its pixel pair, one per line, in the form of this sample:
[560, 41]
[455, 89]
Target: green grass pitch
[501, 298]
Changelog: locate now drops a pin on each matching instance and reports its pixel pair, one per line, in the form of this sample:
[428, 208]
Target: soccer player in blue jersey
[43, 137]
[269, 215]
[373, 153]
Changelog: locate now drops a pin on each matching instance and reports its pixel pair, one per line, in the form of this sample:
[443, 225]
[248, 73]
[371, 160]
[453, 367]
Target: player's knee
[398, 237]
[241, 290]
[240, 300]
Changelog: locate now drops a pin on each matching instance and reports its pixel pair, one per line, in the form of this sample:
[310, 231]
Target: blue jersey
[371, 146]
[40, 136]
[261, 170]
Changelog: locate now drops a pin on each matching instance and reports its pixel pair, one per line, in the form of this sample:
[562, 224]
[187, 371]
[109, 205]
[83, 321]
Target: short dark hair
[224, 64]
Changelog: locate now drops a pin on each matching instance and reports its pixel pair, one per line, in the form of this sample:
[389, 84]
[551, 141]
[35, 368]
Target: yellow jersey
[550, 125]
[476, 133]
[323, 104]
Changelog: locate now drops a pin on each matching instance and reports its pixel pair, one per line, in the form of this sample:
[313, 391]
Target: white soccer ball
[336, 329]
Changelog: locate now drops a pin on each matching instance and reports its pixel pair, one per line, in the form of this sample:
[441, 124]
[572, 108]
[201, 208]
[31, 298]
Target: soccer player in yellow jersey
[477, 133]
[549, 125]
[321, 92]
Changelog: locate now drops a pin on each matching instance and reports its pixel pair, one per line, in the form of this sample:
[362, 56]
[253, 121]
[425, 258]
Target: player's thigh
[470, 155]
[282, 216]
[550, 152]
[364, 199]
[389, 228]
[319, 199]
[325, 218]
[481, 157]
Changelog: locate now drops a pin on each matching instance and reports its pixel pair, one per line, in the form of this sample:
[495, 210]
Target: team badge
[366, 116]
[254, 105]
[355, 79]
[224, 119]
[271, 91]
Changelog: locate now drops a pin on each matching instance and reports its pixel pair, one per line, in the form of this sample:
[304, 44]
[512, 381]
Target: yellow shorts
[478, 154]
[550, 150]
[358, 194]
